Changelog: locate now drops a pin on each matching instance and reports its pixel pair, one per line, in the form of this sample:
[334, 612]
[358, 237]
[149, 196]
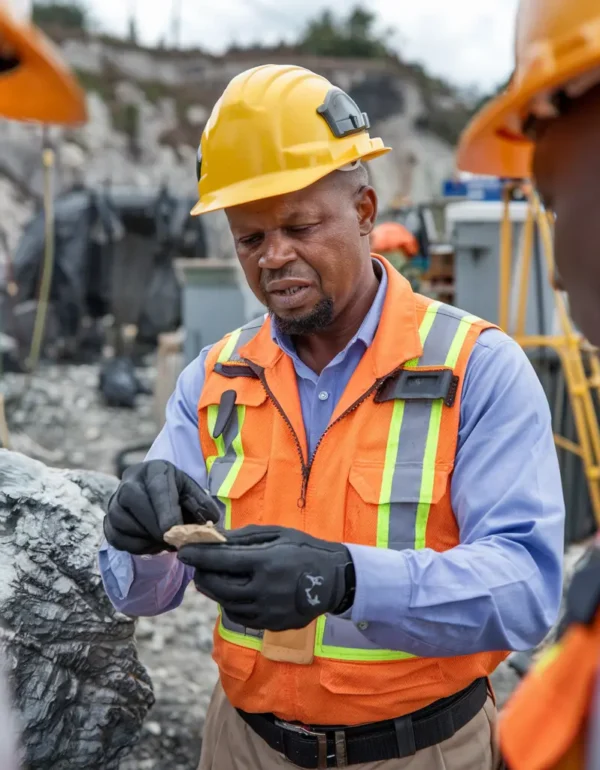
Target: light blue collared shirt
[499, 589]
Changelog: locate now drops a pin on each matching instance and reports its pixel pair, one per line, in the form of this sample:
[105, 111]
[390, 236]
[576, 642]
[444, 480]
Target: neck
[319, 349]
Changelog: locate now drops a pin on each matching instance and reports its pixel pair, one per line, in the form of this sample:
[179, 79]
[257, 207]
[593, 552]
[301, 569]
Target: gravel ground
[61, 420]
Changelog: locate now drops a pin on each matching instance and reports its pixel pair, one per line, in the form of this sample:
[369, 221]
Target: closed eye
[251, 240]
[301, 228]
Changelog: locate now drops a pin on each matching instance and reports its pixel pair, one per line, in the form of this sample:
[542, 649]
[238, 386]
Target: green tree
[349, 37]
[69, 15]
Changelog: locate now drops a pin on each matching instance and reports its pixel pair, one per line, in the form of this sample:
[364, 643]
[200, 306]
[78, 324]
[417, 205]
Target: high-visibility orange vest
[380, 476]
[545, 725]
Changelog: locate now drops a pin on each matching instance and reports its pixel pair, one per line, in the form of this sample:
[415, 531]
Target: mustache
[268, 275]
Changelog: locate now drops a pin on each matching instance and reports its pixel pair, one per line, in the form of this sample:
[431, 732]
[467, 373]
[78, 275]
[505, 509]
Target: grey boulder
[79, 692]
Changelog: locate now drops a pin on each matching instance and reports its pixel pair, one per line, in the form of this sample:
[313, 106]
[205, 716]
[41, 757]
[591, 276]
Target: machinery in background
[106, 244]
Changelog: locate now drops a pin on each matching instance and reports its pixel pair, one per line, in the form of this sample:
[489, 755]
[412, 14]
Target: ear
[366, 209]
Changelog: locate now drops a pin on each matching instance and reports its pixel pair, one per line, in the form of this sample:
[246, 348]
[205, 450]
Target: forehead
[317, 201]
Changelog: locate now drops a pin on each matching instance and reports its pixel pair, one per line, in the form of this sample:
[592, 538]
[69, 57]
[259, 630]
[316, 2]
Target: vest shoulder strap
[444, 330]
[229, 353]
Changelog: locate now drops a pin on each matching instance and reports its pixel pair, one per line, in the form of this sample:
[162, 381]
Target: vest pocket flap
[365, 679]
[231, 477]
[401, 483]
[247, 392]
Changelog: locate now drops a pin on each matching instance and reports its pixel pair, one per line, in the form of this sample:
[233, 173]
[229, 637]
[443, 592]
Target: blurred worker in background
[36, 85]
[399, 246]
[383, 464]
[547, 124]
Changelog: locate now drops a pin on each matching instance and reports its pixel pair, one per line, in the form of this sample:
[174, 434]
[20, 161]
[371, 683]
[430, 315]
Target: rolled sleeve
[501, 587]
[141, 585]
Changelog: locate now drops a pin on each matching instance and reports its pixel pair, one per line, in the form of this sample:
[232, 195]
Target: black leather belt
[328, 746]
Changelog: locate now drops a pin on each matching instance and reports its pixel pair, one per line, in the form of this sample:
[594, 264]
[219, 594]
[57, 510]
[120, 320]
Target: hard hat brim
[492, 143]
[41, 87]
[272, 185]
[489, 146]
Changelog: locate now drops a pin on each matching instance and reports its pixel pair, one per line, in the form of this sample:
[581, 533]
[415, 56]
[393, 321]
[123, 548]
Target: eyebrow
[293, 218]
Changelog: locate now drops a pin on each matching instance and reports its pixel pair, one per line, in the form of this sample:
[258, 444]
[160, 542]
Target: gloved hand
[273, 578]
[153, 497]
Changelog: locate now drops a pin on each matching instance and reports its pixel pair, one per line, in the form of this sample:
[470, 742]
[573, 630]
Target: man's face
[305, 255]
[567, 174]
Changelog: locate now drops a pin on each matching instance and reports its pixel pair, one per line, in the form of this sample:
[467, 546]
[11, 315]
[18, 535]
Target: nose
[277, 251]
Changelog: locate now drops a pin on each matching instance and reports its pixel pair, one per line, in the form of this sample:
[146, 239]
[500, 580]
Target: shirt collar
[366, 331]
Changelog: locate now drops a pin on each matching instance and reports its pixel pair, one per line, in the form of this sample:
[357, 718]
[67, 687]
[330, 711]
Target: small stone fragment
[187, 534]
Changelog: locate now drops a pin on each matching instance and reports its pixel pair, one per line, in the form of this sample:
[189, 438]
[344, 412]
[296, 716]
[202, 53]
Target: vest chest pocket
[402, 496]
[235, 461]
[231, 480]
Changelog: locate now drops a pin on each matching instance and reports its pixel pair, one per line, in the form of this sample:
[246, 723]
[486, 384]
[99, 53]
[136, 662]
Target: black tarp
[114, 251]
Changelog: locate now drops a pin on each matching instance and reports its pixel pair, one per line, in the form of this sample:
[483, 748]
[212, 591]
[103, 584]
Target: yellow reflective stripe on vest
[239, 338]
[231, 451]
[391, 450]
[225, 467]
[433, 437]
[235, 634]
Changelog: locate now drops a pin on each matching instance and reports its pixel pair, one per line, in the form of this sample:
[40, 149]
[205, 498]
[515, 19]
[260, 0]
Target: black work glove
[153, 497]
[273, 578]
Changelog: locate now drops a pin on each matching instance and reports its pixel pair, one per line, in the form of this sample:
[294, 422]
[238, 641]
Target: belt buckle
[341, 754]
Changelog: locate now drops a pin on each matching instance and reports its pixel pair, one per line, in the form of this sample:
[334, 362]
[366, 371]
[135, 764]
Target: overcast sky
[467, 41]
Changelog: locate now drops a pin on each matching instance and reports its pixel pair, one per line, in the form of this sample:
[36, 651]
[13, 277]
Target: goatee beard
[319, 318]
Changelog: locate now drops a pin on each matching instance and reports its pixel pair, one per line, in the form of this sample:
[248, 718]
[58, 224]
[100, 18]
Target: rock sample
[79, 692]
[188, 534]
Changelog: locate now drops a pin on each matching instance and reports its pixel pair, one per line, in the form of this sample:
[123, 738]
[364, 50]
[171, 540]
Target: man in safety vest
[383, 467]
[547, 125]
[35, 85]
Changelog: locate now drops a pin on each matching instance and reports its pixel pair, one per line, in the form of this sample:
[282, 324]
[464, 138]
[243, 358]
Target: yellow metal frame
[572, 349]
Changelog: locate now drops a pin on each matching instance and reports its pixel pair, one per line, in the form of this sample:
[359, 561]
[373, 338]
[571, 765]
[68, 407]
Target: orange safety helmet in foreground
[35, 84]
[557, 56]
[392, 236]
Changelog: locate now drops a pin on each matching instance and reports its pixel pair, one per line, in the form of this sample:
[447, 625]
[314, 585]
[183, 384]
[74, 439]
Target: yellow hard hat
[277, 129]
[557, 52]
[35, 84]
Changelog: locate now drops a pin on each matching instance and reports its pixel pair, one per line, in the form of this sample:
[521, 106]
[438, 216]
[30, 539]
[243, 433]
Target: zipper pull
[302, 499]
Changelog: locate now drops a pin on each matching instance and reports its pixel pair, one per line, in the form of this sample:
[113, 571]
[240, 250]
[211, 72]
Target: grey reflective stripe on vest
[407, 488]
[227, 625]
[239, 338]
[408, 477]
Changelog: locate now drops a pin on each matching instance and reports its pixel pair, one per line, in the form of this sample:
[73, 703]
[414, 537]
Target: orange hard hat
[390, 236]
[35, 83]
[557, 50]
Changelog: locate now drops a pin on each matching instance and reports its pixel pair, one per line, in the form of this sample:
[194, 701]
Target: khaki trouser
[229, 744]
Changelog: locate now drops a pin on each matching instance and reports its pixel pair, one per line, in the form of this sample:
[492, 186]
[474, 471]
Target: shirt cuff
[383, 585]
[122, 568]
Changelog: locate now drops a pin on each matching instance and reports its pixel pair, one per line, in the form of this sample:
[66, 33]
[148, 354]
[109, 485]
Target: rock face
[79, 690]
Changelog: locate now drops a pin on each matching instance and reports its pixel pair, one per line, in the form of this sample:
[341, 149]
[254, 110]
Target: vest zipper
[353, 407]
[306, 467]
